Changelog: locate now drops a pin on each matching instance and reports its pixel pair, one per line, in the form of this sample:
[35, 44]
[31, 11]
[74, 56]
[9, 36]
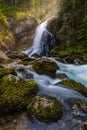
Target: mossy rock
[75, 85]
[62, 76]
[70, 58]
[3, 61]
[15, 55]
[45, 109]
[26, 61]
[15, 93]
[45, 67]
[6, 71]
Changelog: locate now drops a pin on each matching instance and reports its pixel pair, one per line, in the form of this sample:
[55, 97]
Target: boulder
[6, 71]
[62, 76]
[45, 67]
[45, 108]
[75, 85]
[15, 94]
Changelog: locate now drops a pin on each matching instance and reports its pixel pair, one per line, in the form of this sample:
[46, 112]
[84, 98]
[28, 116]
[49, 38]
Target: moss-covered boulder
[15, 93]
[45, 67]
[26, 61]
[6, 71]
[75, 85]
[45, 108]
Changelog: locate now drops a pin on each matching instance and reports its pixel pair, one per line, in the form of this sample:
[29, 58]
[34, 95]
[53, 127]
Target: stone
[15, 94]
[6, 71]
[75, 85]
[45, 109]
[45, 67]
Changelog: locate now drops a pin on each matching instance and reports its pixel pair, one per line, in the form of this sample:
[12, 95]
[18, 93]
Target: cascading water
[73, 117]
[43, 41]
[49, 86]
[76, 72]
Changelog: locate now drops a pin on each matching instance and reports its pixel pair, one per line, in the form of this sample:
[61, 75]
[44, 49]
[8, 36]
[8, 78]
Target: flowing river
[73, 118]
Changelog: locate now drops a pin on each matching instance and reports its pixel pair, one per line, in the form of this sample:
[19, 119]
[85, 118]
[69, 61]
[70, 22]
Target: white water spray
[43, 41]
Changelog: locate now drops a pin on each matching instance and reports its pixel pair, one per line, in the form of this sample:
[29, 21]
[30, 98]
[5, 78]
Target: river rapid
[73, 117]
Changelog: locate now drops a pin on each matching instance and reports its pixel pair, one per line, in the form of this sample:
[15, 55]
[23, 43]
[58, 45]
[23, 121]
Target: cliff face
[18, 21]
[70, 27]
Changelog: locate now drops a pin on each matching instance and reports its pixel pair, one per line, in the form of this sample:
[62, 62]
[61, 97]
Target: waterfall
[43, 41]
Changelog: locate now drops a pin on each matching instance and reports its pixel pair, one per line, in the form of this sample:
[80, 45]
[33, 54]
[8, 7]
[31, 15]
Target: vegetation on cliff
[17, 11]
[70, 28]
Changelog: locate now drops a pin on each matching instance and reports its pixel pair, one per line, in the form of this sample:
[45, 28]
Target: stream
[73, 117]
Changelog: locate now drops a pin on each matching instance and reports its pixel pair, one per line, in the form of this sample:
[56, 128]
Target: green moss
[15, 93]
[45, 108]
[5, 71]
[45, 67]
[24, 62]
[75, 85]
[78, 51]
[3, 61]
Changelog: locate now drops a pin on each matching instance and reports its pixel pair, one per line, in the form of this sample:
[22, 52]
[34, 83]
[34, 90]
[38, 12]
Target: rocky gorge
[44, 84]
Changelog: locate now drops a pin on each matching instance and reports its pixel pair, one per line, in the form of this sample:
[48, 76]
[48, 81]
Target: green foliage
[82, 33]
[3, 18]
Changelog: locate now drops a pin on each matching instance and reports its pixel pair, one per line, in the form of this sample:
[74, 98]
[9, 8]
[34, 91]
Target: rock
[36, 55]
[26, 61]
[45, 67]
[15, 94]
[3, 56]
[75, 85]
[82, 105]
[6, 71]
[45, 108]
[62, 76]
[15, 55]
[70, 58]
[24, 31]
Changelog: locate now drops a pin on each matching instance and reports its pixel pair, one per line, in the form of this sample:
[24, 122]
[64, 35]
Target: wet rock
[45, 108]
[72, 59]
[62, 76]
[45, 67]
[15, 93]
[26, 61]
[75, 85]
[82, 105]
[29, 76]
[36, 55]
[77, 62]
